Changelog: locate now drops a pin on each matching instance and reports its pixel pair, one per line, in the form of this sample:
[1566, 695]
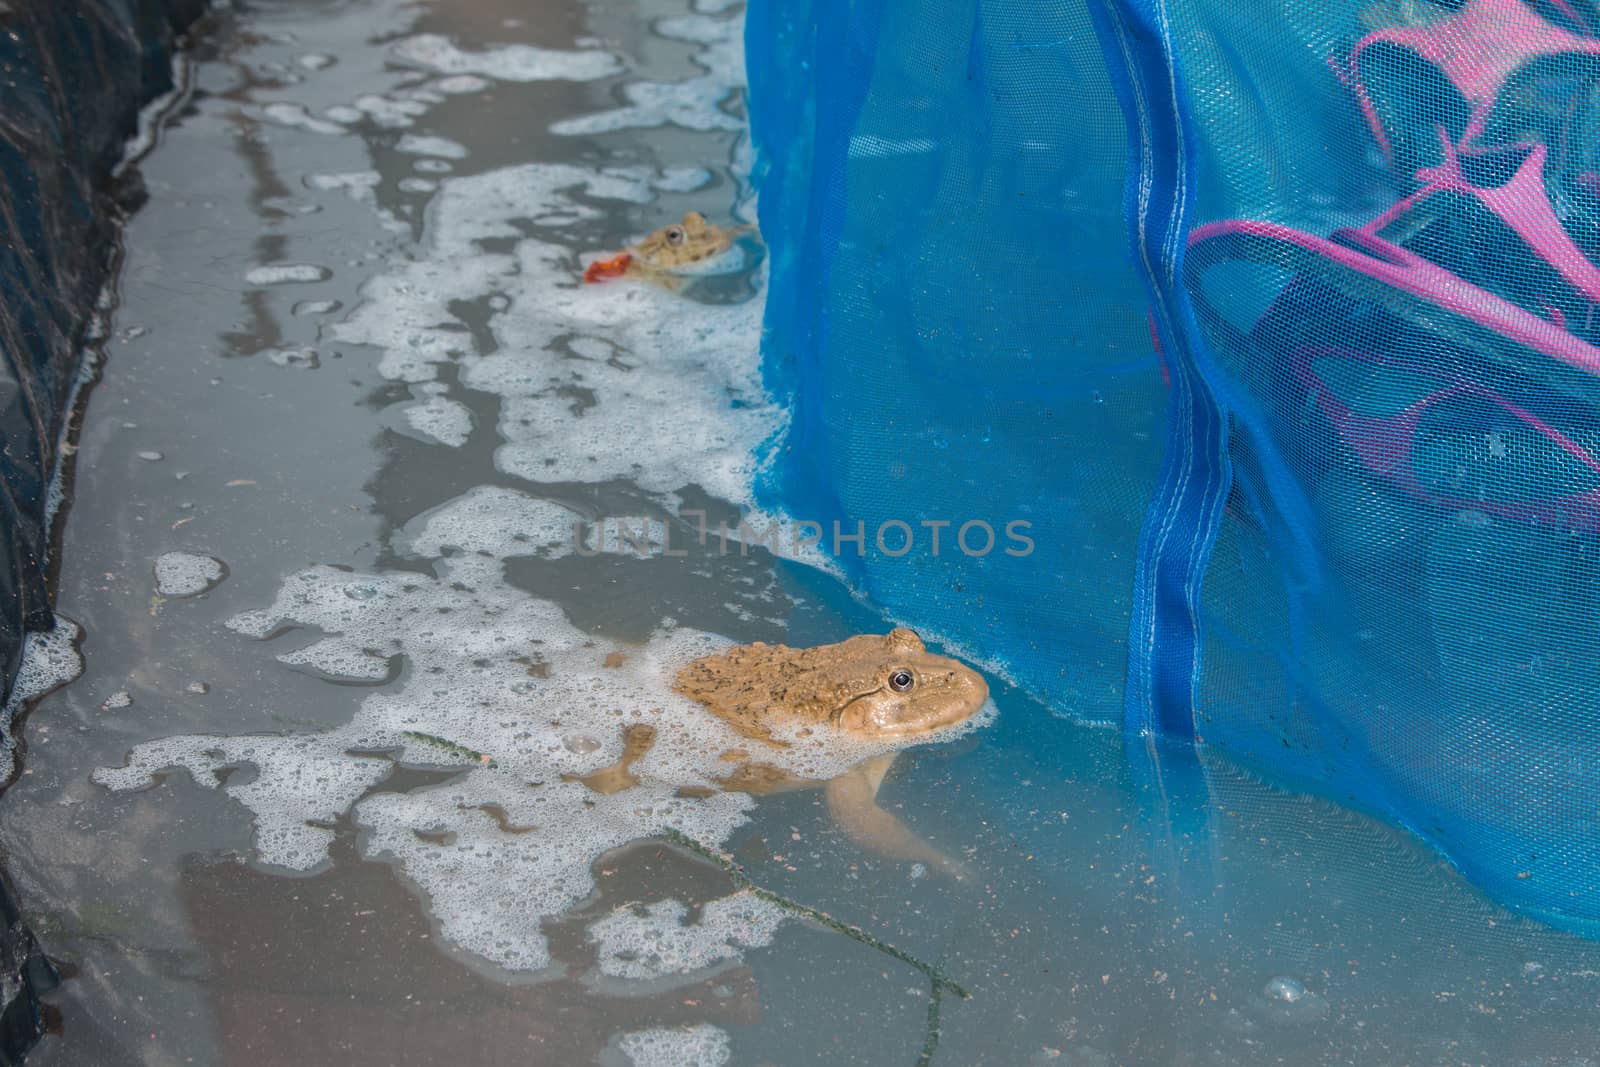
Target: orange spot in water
[614, 267]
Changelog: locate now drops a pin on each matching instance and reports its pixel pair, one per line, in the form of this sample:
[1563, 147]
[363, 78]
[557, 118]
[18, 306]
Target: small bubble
[1288, 990]
[360, 591]
[582, 744]
[293, 357]
[186, 574]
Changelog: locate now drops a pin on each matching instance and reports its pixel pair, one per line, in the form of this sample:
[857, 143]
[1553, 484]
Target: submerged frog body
[876, 687]
[669, 252]
[867, 691]
[870, 687]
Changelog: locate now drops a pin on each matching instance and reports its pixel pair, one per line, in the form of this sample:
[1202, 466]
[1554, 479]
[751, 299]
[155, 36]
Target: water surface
[349, 359]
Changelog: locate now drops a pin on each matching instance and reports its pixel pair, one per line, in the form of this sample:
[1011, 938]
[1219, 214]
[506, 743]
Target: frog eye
[675, 235]
[901, 680]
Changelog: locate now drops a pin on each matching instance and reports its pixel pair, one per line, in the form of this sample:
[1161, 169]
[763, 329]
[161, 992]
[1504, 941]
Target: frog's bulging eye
[902, 680]
[675, 235]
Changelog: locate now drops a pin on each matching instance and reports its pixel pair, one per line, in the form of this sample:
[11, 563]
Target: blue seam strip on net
[1181, 526]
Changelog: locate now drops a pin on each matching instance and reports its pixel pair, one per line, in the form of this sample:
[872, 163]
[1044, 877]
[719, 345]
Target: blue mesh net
[1256, 354]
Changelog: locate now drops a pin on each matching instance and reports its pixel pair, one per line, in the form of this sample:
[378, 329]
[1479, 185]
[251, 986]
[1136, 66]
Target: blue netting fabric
[1277, 327]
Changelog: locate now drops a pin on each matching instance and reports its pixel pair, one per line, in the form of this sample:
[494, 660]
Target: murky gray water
[350, 360]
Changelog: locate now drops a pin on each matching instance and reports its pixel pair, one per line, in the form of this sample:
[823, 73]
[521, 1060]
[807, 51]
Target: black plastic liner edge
[74, 75]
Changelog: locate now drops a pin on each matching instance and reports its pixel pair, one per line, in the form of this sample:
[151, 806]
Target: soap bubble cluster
[184, 574]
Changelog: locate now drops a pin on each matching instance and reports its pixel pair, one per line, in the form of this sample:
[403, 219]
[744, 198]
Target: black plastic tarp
[74, 75]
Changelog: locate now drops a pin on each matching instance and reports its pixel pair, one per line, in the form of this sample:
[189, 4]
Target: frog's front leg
[853, 804]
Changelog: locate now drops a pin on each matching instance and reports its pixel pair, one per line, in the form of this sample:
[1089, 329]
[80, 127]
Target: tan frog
[879, 687]
[869, 689]
[662, 255]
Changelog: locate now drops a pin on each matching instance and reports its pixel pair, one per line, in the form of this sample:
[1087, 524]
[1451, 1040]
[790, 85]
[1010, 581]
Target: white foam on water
[688, 179]
[338, 661]
[359, 183]
[296, 116]
[183, 574]
[301, 357]
[343, 38]
[506, 523]
[595, 384]
[446, 421]
[288, 205]
[299, 783]
[682, 404]
[510, 63]
[503, 523]
[287, 274]
[469, 641]
[49, 660]
[422, 95]
[701, 1045]
[418, 145]
[647, 943]
[692, 103]
[360, 186]
[794, 539]
[389, 112]
[499, 684]
[457, 84]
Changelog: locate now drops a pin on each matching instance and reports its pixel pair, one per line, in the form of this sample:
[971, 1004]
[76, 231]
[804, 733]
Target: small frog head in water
[885, 687]
[669, 251]
[683, 243]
